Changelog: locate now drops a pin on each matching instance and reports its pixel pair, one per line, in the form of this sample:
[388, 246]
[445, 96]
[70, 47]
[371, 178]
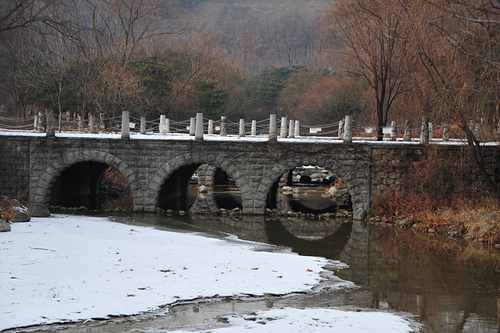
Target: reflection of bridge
[46, 169]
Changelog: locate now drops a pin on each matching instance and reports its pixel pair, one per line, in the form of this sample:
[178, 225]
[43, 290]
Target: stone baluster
[192, 126]
[291, 126]
[163, 121]
[273, 133]
[199, 126]
[143, 125]
[210, 126]
[283, 131]
[80, 123]
[242, 128]
[431, 131]
[407, 131]
[254, 128]
[40, 122]
[35, 123]
[394, 131]
[341, 129]
[51, 131]
[446, 132]
[477, 130]
[424, 131]
[297, 128]
[223, 126]
[125, 125]
[102, 127]
[348, 129]
[91, 123]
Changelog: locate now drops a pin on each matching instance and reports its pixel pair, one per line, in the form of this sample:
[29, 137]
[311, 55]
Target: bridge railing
[420, 131]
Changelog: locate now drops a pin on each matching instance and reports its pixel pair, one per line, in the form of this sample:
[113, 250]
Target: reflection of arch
[312, 229]
[43, 188]
[349, 244]
[165, 171]
[355, 173]
[329, 247]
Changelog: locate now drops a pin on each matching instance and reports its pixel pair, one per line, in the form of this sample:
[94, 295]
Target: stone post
[273, 133]
[125, 125]
[35, 124]
[163, 121]
[60, 121]
[91, 123]
[472, 127]
[424, 131]
[394, 131]
[143, 125]
[348, 129]
[446, 132]
[254, 128]
[283, 131]
[40, 124]
[341, 129]
[167, 125]
[431, 131]
[199, 127]
[242, 127]
[291, 128]
[51, 131]
[498, 127]
[192, 126]
[210, 126]
[477, 130]
[80, 123]
[297, 128]
[102, 126]
[223, 126]
[407, 132]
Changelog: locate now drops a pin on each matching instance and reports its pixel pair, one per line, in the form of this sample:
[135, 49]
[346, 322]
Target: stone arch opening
[198, 188]
[91, 184]
[309, 189]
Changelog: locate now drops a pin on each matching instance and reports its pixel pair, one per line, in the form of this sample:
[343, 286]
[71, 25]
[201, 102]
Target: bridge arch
[41, 191]
[152, 192]
[354, 173]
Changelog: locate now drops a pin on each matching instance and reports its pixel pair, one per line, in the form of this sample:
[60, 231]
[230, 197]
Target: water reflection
[448, 285]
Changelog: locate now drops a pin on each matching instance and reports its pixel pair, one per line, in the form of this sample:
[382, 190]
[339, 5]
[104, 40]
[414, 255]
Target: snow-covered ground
[69, 268]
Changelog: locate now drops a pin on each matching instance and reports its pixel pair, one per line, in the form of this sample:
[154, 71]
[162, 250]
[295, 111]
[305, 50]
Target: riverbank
[475, 219]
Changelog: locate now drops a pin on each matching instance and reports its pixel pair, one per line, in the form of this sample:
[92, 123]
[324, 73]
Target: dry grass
[8, 206]
[437, 198]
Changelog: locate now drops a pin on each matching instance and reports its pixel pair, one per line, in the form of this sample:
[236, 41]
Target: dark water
[448, 285]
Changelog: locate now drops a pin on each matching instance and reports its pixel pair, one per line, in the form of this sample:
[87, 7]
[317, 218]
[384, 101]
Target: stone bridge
[35, 167]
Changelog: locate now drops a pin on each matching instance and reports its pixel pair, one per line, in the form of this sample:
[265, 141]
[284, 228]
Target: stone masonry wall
[391, 163]
[14, 167]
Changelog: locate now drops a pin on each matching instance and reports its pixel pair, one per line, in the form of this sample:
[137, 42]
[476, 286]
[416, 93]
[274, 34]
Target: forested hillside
[262, 33]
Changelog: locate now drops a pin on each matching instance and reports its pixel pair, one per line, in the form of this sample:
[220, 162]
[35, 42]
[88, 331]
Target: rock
[497, 246]
[287, 189]
[20, 217]
[85, 209]
[38, 210]
[4, 226]
[202, 189]
[359, 214]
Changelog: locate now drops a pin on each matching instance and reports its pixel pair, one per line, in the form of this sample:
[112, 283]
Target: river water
[448, 285]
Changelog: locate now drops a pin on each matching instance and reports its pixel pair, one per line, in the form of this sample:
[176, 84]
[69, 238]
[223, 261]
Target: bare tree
[370, 37]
